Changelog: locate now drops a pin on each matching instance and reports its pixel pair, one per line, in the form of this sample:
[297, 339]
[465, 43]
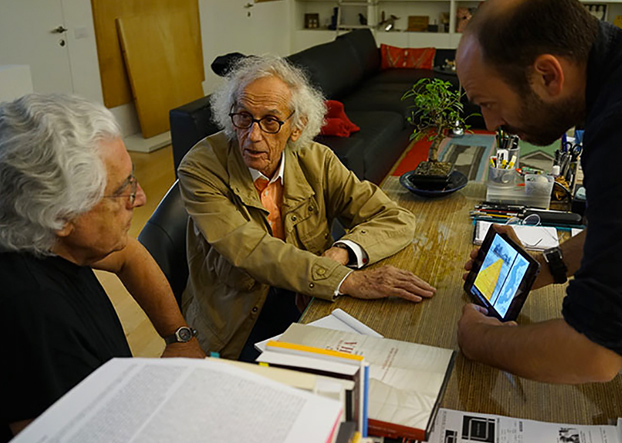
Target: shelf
[342, 27]
[436, 10]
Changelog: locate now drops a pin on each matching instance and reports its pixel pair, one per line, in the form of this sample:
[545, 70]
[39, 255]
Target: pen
[512, 161]
[494, 205]
[488, 215]
[492, 161]
[491, 219]
[497, 211]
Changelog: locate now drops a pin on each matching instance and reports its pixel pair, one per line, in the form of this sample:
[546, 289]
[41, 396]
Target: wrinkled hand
[340, 255]
[384, 282]
[472, 326]
[189, 349]
[501, 229]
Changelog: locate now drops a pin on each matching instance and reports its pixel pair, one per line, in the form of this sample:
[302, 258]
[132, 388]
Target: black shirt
[593, 305]
[57, 326]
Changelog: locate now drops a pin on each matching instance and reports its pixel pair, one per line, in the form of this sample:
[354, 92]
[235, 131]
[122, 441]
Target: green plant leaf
[436, 109]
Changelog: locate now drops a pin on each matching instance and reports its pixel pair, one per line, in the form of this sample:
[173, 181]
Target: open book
[178, 399]
[533, 238]
[406, 380]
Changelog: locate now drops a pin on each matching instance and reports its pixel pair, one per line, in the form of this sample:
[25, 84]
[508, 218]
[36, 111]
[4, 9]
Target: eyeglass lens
[244, 120]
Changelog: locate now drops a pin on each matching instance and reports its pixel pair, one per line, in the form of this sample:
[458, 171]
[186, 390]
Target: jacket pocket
[230, 275]
[310, 227]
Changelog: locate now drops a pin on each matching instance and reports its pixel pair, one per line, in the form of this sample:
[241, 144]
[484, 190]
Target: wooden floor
[155, 173]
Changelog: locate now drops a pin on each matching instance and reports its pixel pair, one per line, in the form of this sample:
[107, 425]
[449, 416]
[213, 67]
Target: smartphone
[502, 276]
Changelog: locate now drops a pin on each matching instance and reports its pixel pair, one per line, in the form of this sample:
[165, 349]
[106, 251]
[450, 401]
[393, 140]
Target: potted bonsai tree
[436, 111]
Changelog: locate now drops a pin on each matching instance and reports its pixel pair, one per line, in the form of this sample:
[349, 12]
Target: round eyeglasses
[268, 124]
[120, 193]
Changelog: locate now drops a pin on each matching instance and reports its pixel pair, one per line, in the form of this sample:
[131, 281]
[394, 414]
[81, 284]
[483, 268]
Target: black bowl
[457, 180]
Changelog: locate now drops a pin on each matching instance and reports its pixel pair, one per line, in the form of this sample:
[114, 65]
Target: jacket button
[312, 285]
[363, 231]
[294, 218]
[326, 235]
[321, 271]
[311, 208]
[254, 309]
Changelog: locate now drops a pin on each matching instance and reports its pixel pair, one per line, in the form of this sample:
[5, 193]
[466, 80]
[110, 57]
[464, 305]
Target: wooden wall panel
[115, 82]
[162, 65]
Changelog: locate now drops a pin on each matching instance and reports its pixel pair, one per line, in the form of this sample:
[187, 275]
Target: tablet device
[502, 276]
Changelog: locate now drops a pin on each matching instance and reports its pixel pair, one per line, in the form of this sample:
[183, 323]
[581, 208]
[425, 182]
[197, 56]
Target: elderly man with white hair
[262, 197]
[68, 191]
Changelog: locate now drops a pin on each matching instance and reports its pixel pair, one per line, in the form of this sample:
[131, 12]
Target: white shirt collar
[255, 174]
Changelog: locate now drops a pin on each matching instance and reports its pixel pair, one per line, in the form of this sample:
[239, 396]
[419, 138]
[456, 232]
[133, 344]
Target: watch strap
[554, 258]
[183, 334]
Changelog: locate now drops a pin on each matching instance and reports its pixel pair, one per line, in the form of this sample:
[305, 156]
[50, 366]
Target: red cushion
[393, 57]
[337, 122]
[335, 126]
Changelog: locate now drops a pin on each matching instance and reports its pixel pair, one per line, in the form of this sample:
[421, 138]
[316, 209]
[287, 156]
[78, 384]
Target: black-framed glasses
[269, 124]
[120, 193]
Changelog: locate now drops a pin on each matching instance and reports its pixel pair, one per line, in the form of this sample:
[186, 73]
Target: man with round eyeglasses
[68, 192]
[262, 197]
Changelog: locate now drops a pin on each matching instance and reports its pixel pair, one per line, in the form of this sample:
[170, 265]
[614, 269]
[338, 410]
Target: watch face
[184, 334]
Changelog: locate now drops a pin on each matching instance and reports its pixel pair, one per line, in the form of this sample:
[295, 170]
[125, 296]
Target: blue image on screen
[513, 269]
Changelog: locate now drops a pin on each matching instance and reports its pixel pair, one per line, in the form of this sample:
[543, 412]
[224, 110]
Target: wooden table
[441, 245]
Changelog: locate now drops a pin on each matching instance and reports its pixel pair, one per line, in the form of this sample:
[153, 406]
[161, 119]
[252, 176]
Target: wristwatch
[182, 335]
[556, 264]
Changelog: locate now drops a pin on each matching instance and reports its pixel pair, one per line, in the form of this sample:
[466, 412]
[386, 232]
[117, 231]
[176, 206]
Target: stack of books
[405, 381]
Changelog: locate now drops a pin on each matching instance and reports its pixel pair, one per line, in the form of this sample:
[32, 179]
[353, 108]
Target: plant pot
[431, 175]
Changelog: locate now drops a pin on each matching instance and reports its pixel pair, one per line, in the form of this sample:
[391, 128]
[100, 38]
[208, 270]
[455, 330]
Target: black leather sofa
[346, 69]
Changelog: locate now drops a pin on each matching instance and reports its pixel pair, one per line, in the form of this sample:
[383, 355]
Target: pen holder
[514, 152]
[501, 177]
[511, 153]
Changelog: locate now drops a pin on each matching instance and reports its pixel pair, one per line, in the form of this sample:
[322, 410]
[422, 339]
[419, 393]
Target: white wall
[225, 27]
[15, 81]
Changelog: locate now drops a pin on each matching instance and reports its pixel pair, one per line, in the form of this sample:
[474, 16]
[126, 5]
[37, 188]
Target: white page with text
[164, 400]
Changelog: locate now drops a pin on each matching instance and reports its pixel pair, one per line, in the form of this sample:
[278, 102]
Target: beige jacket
[233, 259]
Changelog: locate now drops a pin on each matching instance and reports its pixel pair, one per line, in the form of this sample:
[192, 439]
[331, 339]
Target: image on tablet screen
[501, 274]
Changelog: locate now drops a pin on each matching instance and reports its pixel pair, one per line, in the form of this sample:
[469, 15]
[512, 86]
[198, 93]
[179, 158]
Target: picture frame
[312, 21]
[418, 23]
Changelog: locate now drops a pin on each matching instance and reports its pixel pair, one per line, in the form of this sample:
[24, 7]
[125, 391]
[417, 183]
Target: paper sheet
[467, 427]
[338, 320]
[534, 238]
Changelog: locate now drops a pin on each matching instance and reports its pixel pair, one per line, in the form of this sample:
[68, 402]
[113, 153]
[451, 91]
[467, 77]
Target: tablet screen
[502, 272]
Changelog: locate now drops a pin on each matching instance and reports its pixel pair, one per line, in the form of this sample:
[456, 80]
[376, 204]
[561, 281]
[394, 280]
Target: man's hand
[544, 277]
[471, 329]
[501, 229]
[384, 282]
[340, 255]
[189, 349]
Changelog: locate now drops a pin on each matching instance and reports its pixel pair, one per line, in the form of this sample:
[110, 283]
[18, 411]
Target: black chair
[164, 236]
